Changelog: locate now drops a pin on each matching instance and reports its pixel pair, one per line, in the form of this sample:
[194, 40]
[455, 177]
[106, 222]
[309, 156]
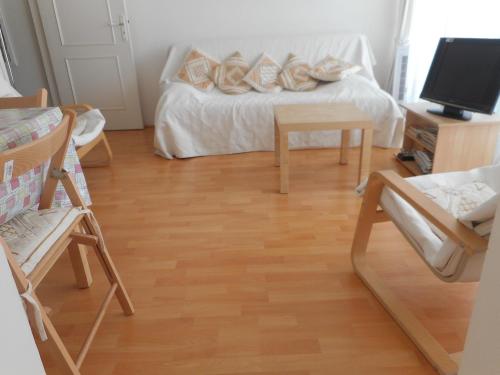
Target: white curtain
[433, 19]
[402, 38]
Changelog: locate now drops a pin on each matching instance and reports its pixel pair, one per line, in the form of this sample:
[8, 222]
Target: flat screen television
[464, 77]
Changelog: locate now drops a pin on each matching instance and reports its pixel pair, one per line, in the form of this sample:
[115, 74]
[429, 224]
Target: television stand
[456, 145]
[452, 112]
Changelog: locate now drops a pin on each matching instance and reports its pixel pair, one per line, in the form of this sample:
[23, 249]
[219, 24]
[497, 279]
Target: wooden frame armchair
[106, 155]
[99, 145]
[31, 254]
[471, 245]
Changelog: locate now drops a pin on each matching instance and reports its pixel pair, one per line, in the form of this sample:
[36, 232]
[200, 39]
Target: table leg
[80, 263]
[284, 156]
[276, 143]
[365, 157]
[344, 147]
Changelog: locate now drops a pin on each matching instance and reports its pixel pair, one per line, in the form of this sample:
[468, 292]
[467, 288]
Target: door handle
[122, 24]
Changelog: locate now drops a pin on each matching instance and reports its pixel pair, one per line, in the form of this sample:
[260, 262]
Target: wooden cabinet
[459, 145]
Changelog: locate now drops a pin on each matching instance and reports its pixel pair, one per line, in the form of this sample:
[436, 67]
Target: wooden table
[321, 117]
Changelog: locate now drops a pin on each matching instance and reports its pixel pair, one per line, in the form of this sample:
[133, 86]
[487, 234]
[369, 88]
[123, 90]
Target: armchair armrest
[77, 107]
[443, 220]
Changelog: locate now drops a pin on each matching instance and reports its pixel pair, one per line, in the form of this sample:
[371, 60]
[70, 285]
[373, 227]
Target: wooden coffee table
[320, 117]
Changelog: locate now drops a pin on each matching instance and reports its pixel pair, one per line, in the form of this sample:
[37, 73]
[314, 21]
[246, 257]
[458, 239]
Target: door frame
[44, 52]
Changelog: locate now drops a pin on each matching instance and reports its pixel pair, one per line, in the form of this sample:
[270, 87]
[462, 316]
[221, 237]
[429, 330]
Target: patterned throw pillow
[263, 76]
[197, 69]
[229, 75]
[295, 75]
[331, 69]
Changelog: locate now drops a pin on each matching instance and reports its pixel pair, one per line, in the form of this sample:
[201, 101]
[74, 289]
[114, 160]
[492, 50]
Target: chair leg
[420, 336]
[110, 269]
[59, 352]
[121, 292]
[98, 153]
[81, 268]
[109, 152]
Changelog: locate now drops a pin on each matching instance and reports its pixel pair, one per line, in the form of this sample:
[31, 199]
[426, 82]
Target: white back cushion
[353, 48]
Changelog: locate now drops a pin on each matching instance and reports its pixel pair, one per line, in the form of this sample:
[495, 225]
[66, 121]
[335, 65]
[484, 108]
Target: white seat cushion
[31, 235]
[446, 257]
[88, 127]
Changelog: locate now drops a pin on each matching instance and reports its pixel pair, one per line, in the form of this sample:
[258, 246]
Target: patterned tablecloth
[21, 126]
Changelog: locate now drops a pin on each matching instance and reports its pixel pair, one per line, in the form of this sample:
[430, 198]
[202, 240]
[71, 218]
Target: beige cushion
[88, 127]
[229, 75]
[32, 234]
[443, 255]
[481, 217]
[263, 77]
[295, 75]
[331, 69]
[197, 69]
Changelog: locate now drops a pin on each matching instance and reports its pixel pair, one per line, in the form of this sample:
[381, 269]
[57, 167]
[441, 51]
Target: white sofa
[192, 123]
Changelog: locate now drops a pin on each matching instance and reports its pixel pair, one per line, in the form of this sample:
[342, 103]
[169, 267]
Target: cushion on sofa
[295, 75]
[197, 69]
[263, 76]
[331, 69]
[228, 76]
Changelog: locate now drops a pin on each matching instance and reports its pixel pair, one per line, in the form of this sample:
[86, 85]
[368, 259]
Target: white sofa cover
[191, 123]
[447, 259]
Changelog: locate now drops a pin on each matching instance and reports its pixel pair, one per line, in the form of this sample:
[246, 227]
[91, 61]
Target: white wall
[29, 73]
[482, 347]
[18, 352]
[156, 24]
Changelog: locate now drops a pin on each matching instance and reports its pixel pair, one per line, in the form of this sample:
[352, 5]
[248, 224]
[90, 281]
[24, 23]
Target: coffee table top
[297, 117]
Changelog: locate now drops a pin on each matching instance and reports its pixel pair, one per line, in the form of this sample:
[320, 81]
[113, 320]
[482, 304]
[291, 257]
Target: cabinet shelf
[460, 145]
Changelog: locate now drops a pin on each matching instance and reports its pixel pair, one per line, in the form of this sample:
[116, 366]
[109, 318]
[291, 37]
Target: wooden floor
[230, 277]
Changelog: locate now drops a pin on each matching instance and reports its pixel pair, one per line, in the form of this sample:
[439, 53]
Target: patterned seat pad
[31, 234]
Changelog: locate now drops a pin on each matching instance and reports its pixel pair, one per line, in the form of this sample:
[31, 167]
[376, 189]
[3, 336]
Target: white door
[91, 54]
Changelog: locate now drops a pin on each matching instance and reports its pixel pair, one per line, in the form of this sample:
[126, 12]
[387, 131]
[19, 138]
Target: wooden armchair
[420, 219]
[101, 151]
[105, 154]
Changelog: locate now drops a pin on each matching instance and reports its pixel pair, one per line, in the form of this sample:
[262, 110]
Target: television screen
[465, 74]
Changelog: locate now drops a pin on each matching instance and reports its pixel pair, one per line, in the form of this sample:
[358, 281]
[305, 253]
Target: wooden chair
[101, 151]
[420, 220]
[31, 255]
[99, 145]
[38, 100]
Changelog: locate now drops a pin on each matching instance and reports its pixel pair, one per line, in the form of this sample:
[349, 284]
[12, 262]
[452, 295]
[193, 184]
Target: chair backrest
[53, 146]
[35, 101]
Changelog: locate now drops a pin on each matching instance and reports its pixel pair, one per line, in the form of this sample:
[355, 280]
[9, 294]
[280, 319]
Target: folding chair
[38, 100]
[453, 251]
[96, 140]
[32, 253]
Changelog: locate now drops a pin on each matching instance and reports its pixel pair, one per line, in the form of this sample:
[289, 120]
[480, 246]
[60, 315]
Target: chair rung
[100, 315]
[84, 239]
